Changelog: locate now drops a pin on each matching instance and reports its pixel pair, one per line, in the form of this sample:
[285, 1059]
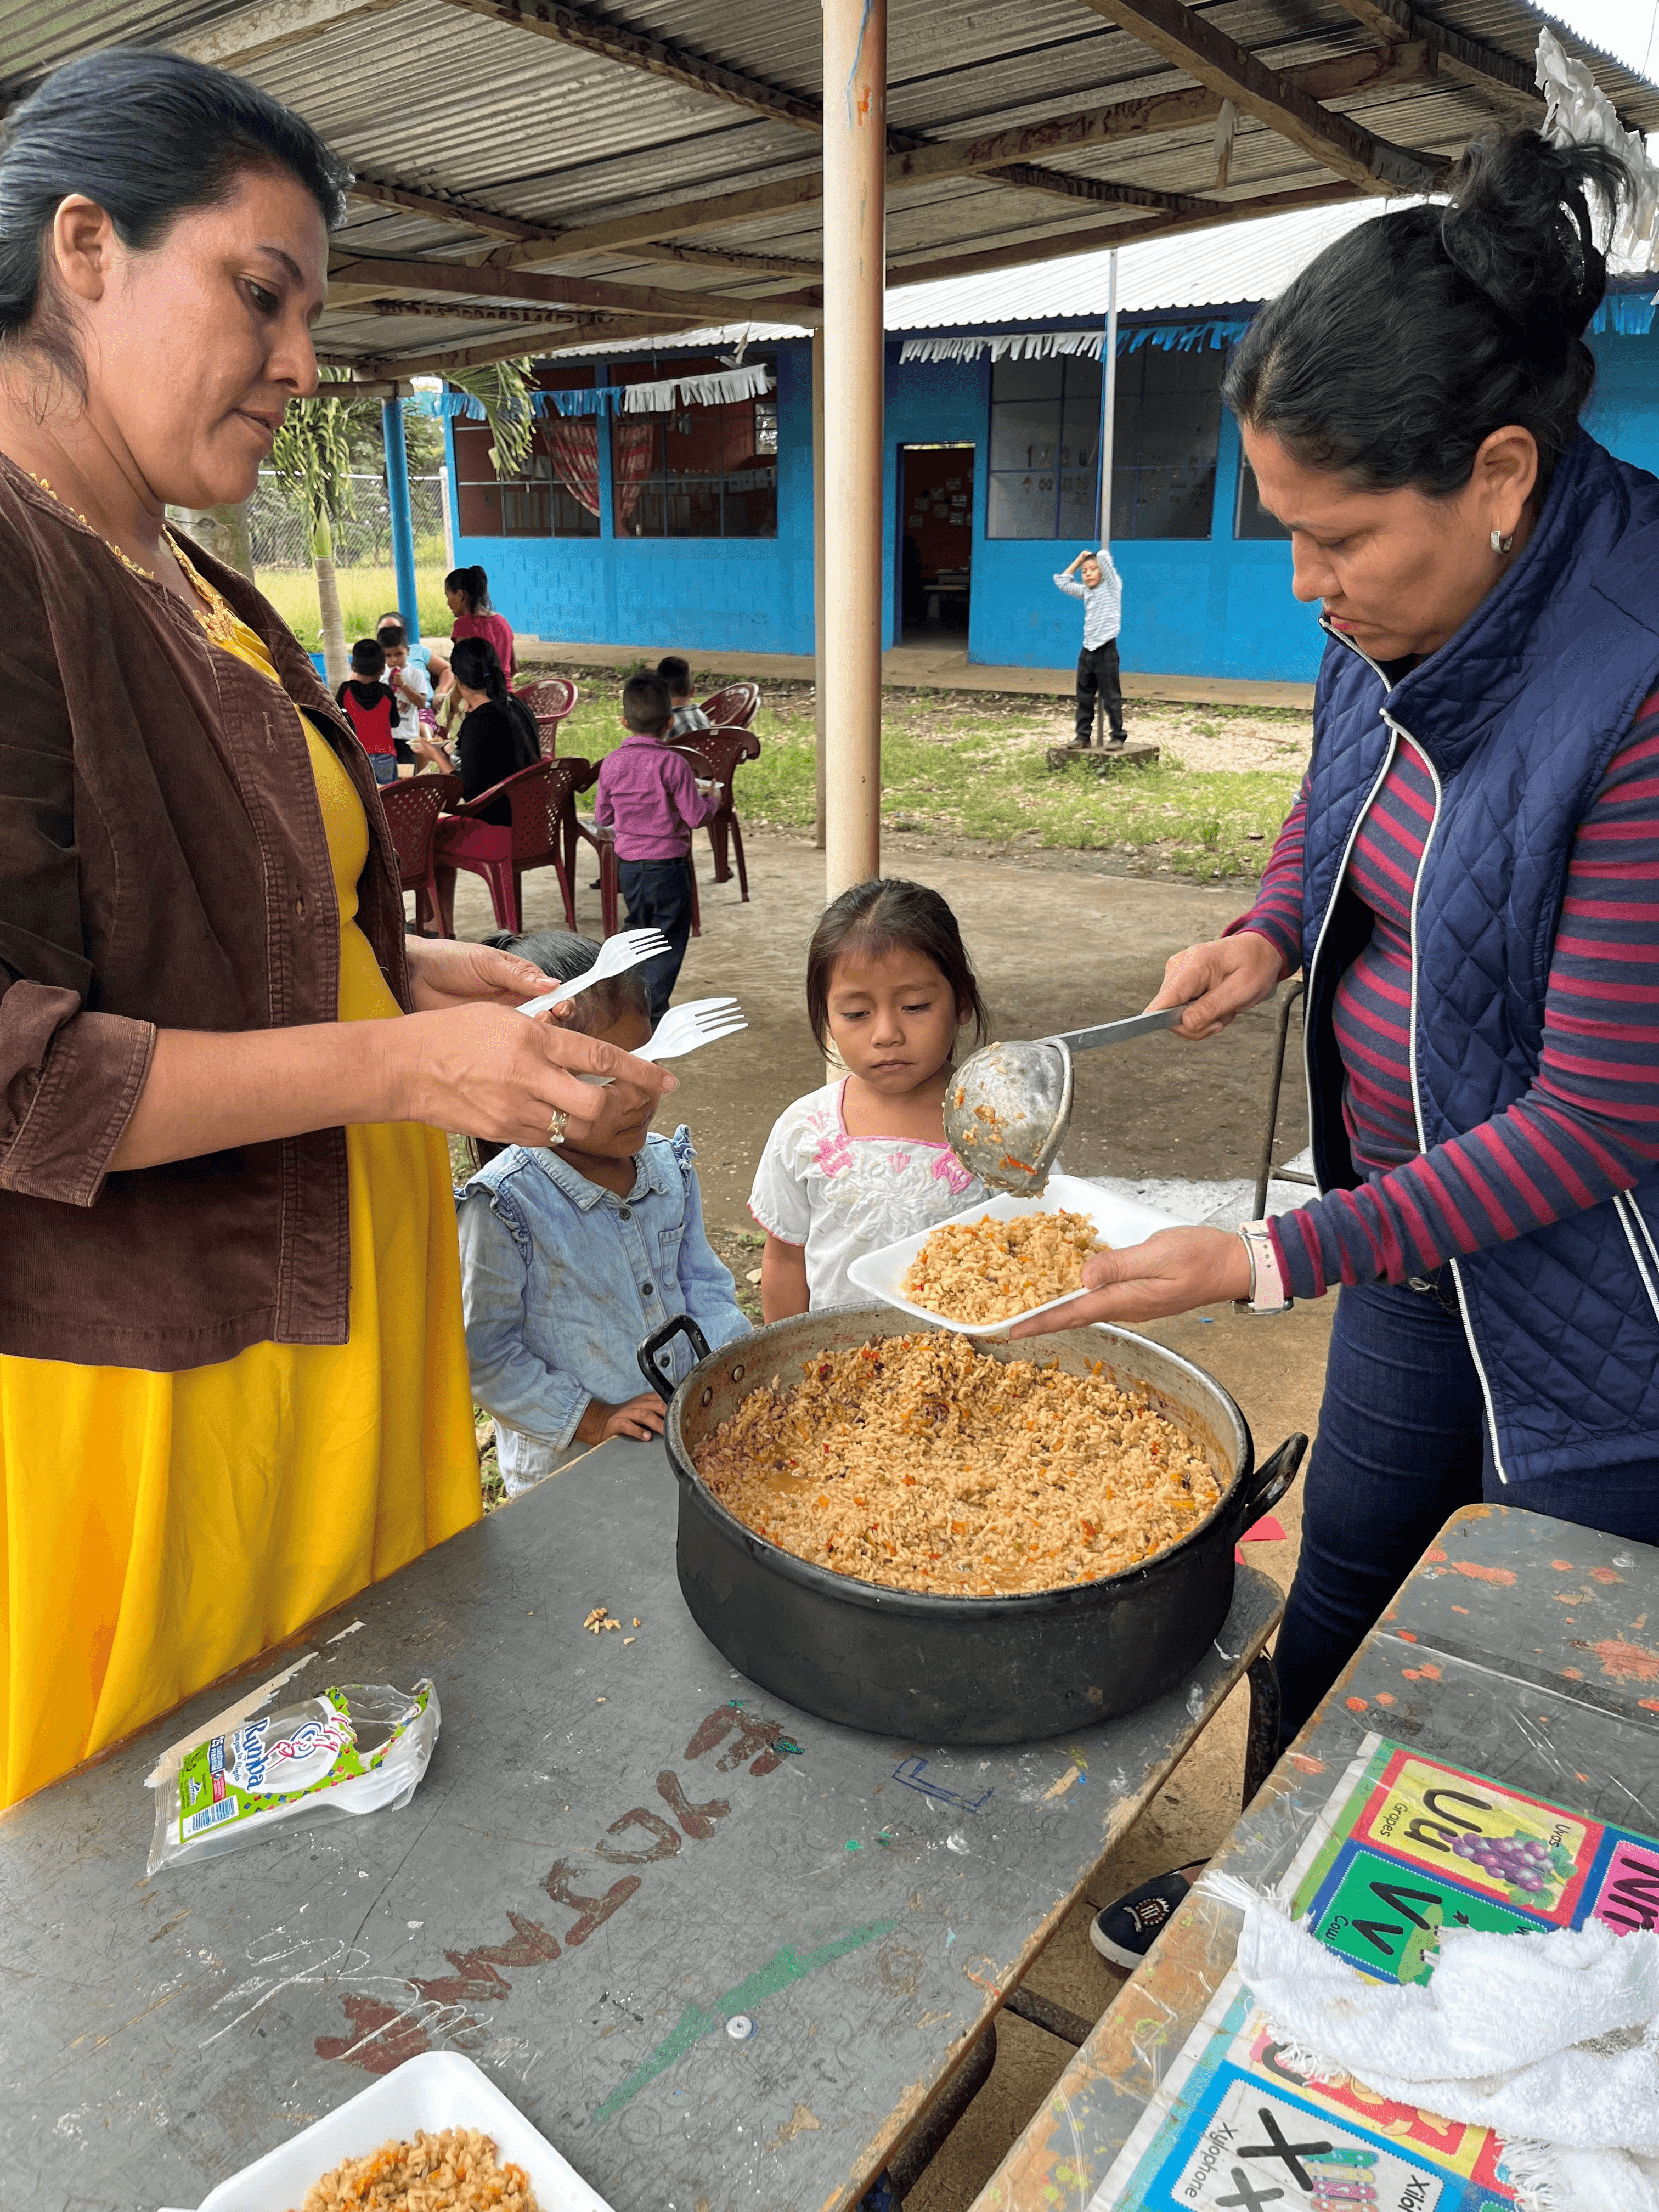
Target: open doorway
[936, 542]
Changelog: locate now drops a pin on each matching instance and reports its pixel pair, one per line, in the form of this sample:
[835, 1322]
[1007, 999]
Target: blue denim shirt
[562, 1280]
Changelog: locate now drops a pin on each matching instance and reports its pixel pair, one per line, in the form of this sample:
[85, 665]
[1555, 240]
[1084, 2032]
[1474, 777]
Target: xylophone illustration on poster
[1406, 1845]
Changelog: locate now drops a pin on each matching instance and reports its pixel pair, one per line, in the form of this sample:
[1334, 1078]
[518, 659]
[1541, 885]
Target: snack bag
[348, 1750]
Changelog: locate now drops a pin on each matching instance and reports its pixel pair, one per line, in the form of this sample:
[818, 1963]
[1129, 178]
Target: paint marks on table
[482, 1973]
[784, 1967]
[912, 1774]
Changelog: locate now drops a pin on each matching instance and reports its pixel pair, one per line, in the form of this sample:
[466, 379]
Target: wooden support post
[854, 175]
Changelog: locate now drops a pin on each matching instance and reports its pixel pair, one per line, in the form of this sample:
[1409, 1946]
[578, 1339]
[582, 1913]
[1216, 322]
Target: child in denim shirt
[570, 1256]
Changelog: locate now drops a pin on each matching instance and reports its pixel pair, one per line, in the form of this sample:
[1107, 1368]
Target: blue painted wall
[671, 594]
[1624, 409]
[1216, 606]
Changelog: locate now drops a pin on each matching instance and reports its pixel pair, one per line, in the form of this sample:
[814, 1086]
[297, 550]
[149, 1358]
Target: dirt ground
[1055, 945]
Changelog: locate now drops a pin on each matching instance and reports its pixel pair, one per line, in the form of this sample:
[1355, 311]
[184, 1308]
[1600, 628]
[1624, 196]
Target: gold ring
[555, 1127]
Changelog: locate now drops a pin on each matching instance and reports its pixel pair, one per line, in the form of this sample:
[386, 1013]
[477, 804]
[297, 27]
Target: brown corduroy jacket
[163, 865]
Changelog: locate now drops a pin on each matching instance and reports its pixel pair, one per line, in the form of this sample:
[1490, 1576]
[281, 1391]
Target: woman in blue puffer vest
[1469, 881]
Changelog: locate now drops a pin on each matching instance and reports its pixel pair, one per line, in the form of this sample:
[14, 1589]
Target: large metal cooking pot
[954, 1670]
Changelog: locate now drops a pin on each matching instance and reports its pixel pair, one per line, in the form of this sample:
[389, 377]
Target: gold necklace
[216, 615]
[214, 612]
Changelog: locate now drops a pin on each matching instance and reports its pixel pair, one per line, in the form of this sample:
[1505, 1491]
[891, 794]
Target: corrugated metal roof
[1245, 261]
[1242, 264]
[438, 100]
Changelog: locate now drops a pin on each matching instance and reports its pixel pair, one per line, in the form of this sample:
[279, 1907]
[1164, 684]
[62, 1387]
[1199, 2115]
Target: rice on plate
[918, 1463]
[990, 1270]
[456, 2171]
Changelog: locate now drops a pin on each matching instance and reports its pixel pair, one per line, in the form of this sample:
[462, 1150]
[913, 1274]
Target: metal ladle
[1009, 1107]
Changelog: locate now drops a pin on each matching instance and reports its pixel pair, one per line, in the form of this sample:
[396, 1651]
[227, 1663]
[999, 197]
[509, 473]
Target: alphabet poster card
[1236, 2127]
[1412, 1845]
[1406, 1845]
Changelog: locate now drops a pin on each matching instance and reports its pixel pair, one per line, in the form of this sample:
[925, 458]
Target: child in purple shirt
[655, 799]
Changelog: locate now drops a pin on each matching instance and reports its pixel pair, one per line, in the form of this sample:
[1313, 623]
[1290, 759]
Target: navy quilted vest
[1519, 715]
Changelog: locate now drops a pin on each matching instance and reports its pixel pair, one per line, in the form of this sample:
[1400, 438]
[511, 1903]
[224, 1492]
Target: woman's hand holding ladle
[1178, 1269]
[1222, 980]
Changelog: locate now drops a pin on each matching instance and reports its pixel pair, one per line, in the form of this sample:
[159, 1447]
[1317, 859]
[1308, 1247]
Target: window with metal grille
[1167, 430]
[555, 495]
[1045, 436]
[1044, 448]
[697, 471]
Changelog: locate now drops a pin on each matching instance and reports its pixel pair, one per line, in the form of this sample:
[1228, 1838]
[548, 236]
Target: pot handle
[683, 1325]
[1275, 1477]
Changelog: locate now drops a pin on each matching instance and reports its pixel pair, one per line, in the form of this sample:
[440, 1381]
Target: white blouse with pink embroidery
[841, 1195]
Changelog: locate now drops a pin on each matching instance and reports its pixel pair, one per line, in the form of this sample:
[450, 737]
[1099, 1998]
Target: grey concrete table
[1523, 1647]
[619, 1845]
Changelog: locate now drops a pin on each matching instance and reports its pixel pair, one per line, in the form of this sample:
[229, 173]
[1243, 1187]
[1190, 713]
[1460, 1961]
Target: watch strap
[1268, 1293]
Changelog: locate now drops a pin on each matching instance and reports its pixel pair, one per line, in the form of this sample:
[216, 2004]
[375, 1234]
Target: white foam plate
[440, 2089]
[1117, 1221]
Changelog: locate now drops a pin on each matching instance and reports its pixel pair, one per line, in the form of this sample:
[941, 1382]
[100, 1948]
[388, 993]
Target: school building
[668, 503]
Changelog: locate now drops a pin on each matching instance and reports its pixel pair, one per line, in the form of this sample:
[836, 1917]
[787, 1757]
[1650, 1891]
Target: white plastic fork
[616, 954]
[682, 1029]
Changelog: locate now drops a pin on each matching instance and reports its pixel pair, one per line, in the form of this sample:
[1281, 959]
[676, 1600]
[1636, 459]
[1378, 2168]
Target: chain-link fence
[362, 536]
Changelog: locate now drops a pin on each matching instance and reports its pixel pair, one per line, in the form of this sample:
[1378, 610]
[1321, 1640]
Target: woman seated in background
[467, 590]
[498, 738]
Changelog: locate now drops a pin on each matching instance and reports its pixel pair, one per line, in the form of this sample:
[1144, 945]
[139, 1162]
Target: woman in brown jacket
[233, 1377]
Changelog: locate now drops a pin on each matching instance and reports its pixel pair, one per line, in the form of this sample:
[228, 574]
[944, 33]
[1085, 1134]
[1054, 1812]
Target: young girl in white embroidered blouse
[864, 1162]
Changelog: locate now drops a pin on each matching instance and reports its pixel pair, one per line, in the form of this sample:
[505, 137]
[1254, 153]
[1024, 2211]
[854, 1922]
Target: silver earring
[1503, 541]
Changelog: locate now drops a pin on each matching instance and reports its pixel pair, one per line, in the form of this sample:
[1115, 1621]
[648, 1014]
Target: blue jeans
[385, 766]
[1402, 1444]
[658, 895]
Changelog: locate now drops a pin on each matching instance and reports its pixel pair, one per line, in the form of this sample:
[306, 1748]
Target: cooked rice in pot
[455, 2172]
[990, 1270]
[919, 1463]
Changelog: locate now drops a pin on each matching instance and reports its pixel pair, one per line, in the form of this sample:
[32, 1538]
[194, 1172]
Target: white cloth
[1551, 2039]
[1577, 111]
[841, 1195]
[1103, 602]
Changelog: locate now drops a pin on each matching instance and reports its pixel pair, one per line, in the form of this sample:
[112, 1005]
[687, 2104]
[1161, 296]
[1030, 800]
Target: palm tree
[312, 454]
[503, 389]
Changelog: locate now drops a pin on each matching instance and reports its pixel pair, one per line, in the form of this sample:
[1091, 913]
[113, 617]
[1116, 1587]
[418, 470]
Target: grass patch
[974, 765]
[365, 594]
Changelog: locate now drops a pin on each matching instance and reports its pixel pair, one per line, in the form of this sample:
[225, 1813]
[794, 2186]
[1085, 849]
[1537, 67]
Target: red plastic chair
[715, 754]
[540, 835]
[733, 708]
[551, 700]
[412, 807]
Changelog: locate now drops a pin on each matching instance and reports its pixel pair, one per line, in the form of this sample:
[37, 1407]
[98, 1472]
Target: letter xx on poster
[1406, 1846]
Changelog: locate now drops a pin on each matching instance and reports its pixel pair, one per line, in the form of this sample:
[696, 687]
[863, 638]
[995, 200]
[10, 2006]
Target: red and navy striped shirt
[1588, 1125]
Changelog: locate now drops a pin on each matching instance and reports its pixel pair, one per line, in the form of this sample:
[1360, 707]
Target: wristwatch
[1268, 1292]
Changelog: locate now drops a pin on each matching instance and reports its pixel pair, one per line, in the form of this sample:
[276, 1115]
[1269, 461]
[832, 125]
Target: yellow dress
[157, 1530]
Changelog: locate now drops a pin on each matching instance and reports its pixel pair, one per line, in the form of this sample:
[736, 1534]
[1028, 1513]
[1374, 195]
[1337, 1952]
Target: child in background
[571, 1256]
[410, 686]
[372, 710]
[654, 799]
[1101, 591]
[689, 718]
[864, 1162]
